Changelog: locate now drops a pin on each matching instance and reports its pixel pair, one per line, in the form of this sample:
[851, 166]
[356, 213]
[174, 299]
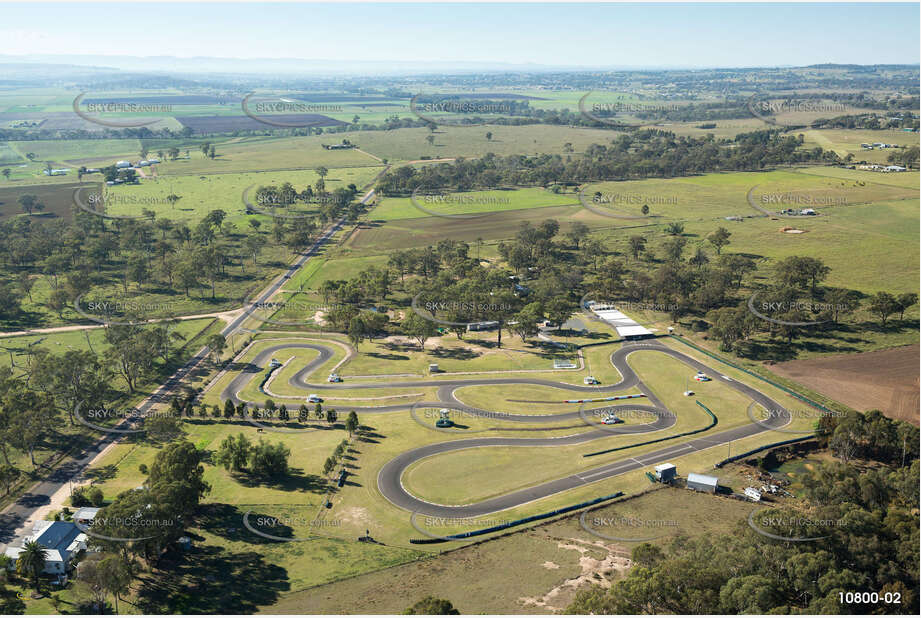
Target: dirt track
[886, 380]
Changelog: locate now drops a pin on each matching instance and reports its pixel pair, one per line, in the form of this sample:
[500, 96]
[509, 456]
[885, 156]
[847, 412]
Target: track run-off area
[390, 475]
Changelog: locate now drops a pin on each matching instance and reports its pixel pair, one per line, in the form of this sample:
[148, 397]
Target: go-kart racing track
[390, 475]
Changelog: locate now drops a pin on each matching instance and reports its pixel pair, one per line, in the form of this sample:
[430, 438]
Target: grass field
[482, 473]
[295, 500]
[411, 145]
[848, 141]
[715, 196]
[907, 180]
[8, 155]
[71, 152]
[706, 198]
[866, 232]
[60, 342]
[883, 234]
[202, 193]
[472, 202]
[245, 154]
[550, 561]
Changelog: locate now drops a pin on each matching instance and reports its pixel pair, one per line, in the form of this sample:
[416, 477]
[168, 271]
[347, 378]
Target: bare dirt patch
[594, 571]
[886, 380]
[356, 514]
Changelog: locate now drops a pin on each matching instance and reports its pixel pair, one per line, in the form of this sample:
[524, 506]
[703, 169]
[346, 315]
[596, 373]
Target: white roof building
[666, 471]
[626, 327]
[702, 482]
[86, 514]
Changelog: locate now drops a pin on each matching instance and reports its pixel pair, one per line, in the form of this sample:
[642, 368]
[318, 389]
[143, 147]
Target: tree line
[643, 154]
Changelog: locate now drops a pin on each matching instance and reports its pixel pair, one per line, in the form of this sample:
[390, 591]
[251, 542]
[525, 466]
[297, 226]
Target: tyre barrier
[713, 422]
[466, 535]
[762, 448]
[614, 398]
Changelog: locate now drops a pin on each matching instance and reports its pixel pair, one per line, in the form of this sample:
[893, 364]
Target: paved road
[446, 388]
[389, 478]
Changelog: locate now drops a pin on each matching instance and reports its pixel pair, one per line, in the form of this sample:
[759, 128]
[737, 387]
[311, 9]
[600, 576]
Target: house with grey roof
[62, 541]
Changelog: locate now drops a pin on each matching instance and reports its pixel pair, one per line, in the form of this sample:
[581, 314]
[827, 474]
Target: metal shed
[702, 482]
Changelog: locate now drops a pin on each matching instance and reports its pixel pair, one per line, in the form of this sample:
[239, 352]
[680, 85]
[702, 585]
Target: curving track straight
[389, 477]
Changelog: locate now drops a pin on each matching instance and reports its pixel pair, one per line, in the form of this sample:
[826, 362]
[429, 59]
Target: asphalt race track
[389, 477]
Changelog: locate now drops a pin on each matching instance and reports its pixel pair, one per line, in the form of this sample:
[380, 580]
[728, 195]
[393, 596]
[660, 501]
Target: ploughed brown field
[886, 380]
[57, 198]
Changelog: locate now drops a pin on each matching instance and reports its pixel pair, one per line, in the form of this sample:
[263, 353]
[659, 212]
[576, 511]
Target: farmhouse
[753, 494]
[626, 327]
[62, 541]
[702, 482]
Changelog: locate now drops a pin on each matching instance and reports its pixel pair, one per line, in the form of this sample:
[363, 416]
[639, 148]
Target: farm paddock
[886, 380]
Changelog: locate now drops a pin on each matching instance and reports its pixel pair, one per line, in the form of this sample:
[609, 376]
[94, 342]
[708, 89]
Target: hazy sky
[686, 35]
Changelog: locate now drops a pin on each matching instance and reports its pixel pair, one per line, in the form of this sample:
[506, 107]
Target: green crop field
[427, 204]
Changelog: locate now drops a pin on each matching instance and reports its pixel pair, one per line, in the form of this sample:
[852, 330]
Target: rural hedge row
[712, 424]
[517, 522]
